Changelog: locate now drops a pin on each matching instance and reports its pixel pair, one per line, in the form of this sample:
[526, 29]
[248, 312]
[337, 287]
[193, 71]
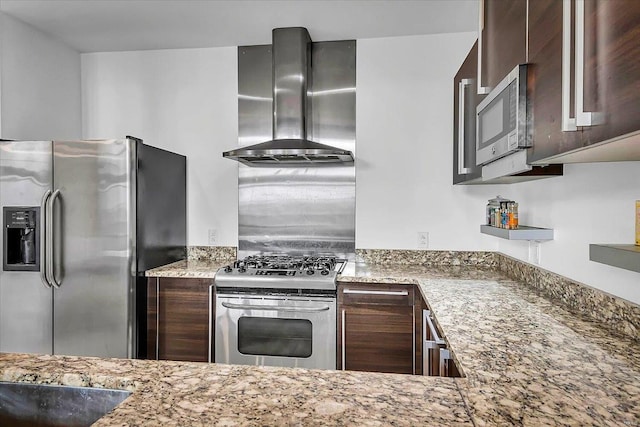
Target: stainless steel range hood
[291, 54]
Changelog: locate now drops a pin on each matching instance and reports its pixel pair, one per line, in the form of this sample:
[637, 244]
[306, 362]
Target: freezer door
[25, 301]
[94, 247]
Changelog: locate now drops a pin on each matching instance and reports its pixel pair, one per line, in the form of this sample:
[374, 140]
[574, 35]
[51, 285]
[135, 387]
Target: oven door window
[262, 336]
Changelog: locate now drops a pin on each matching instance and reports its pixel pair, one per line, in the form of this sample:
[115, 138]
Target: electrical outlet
[423, 239]
[213, 236]
[534, 251]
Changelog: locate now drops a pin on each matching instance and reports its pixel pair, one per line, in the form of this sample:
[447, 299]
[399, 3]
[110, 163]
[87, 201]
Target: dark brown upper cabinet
[502, 42]
[584, 82]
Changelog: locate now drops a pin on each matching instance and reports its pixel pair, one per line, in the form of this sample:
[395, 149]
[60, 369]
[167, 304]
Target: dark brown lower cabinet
[376, 328]
[178, 318]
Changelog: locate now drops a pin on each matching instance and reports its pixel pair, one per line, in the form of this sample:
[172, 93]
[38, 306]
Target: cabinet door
[612, 67]
[545, 81]
[178, 319]
[376, 328]
[504, 39]
[465, 101]
[611, 74]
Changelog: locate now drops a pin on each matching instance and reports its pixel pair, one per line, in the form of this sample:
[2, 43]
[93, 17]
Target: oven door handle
[275, 308]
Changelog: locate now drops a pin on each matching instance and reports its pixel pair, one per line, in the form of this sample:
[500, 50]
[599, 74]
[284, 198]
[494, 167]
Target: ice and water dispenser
[21, 239]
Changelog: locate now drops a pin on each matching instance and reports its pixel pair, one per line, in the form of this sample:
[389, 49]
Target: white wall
[403, 178]
[591, 203]
[404, 131]
[40, 84]
[185, 100]
[180, 100]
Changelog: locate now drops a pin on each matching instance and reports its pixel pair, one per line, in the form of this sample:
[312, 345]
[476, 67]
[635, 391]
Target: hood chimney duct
[291, 56]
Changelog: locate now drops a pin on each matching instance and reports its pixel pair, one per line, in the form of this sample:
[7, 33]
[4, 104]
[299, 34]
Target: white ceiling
[117, 25]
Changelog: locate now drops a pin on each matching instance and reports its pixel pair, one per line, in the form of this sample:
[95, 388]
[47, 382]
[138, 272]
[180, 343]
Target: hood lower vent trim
[290, 152]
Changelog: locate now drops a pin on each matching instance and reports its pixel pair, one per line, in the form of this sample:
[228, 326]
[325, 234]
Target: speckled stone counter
[199, 394]
[202, 269]
[526, 361]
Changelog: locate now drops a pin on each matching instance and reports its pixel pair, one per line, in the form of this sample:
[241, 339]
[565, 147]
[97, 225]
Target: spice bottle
[493, 211]
[513, 215]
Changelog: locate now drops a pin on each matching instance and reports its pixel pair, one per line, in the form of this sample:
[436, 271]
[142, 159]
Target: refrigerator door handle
[43, 239]
[49, 258]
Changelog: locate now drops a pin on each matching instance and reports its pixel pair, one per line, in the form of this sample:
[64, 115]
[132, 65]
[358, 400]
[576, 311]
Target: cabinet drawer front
[354, 294]
[378, 339]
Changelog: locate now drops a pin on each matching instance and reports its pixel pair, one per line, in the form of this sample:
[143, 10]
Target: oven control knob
[310, 272]
[324, 272]
[242, 270]
[228, 269]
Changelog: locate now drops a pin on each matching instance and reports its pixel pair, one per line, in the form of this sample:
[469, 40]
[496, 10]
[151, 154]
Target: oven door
[291, 331]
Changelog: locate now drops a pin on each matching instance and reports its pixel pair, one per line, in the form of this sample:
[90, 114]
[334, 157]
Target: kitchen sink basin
[51, 405]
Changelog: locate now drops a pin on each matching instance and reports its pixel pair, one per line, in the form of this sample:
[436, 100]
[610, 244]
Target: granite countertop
[190, 268]
[526, 361]
[193, 394]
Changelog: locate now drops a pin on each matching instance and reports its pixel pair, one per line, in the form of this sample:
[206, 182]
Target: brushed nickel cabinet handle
[157, 318]
[373, 292]
[462, 170]
[434, 333]
[445, 357]
[583, 118]
[568, 122]
[211, 308]
[344, 341]
[482, 90]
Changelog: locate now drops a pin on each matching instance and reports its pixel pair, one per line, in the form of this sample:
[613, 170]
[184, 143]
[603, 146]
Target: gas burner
[286, 262]
[282, 271]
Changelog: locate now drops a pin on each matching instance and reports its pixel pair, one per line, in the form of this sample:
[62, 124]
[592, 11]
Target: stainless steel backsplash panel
[305, 210]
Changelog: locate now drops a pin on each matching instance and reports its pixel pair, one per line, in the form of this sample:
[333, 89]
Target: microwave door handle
[583, 118]
[290, 309]
[462, 110]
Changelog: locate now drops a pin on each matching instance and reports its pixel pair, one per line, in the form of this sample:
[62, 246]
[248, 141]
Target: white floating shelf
[523, 232]
[621, 256]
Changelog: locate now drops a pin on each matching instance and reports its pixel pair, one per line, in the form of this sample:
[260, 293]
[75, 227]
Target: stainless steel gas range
[277, 311]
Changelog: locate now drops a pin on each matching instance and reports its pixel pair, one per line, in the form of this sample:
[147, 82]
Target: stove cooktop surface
[282, 271]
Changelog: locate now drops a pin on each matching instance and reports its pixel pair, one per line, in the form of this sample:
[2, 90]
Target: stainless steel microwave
[503, 118]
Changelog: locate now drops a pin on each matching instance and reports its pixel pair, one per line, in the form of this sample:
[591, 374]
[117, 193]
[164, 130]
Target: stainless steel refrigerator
[82, 221]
